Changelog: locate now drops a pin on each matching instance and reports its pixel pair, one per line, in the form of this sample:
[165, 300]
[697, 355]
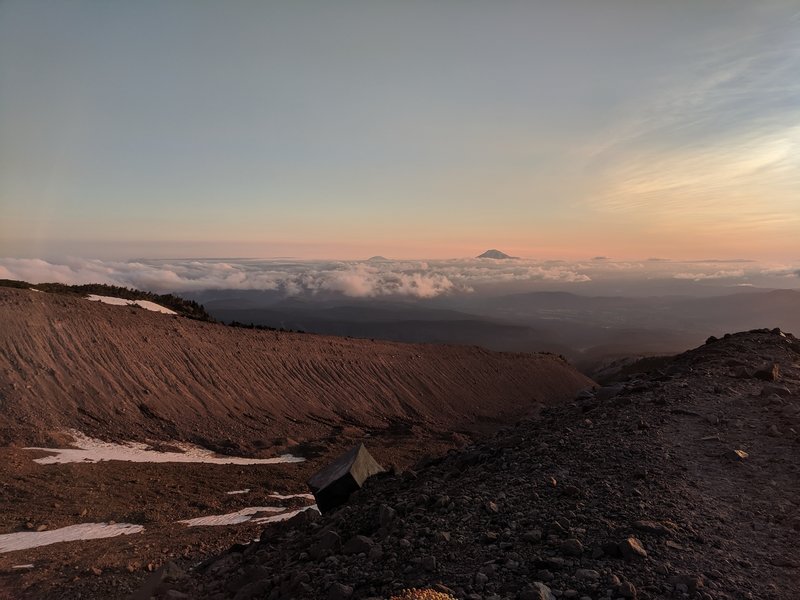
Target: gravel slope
[126, 373]
[636, 491]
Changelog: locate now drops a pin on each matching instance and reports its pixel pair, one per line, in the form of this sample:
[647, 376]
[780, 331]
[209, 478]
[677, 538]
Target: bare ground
[681, 484]
[121, 373]
[125, 373]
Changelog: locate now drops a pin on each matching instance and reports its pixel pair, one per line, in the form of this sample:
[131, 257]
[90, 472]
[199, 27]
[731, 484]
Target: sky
[341, 130]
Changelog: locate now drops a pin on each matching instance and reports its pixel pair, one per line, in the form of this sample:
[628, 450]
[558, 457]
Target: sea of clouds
[379, 278]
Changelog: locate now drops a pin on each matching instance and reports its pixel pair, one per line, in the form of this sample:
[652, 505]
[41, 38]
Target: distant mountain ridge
[182, 306]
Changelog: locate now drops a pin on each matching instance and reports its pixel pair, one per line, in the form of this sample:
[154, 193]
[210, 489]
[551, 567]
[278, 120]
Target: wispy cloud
[734, 274]
[718, 145]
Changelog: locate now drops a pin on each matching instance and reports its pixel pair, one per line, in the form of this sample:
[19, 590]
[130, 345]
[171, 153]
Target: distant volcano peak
[496, 254]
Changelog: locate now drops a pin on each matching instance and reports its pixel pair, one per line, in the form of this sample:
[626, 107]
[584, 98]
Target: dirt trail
[126, 373]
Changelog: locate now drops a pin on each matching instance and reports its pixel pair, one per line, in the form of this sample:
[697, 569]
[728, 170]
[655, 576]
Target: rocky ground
[121, 373]
[681, 484]
[36, 497]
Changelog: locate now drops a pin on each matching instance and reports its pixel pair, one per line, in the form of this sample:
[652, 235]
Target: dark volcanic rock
[333, 485]
[631, 548]
[659, 514]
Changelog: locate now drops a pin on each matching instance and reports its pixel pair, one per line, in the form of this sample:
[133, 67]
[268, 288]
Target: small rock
[654, 527]
[572, 547]
[587, 574]
[737, 455]
[772, 388]
[339, 591]
[444, 589]
[357, 545]
[329, 542]
[534, 535]
[627, 590]
[386, 515]
[631, 547]
[772, 373]
[556, 528]
[661, 569]
[537, 591]
[571, 490]
[429, 563]
[689, 583]
[611, 549]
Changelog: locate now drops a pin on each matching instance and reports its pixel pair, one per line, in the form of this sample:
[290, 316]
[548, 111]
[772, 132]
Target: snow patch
[247, 515]
[23, 540]
[146, 304]
[287, 515]
[244, 491]
[92, 450]
[240, 516]
[288, 496]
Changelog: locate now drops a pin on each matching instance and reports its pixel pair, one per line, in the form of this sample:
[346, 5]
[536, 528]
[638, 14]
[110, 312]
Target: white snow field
[93, 450]
[146, 304]
[23, 540]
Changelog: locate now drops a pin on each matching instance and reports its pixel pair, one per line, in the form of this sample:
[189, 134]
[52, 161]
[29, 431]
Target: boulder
[333, 485]
[768, 373]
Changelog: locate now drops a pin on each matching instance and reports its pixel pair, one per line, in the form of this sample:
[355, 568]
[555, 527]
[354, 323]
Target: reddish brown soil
[121, 373]
[126, 373]
[156, 496]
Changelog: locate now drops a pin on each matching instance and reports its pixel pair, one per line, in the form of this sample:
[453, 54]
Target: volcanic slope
[125, 373]
[681, 484]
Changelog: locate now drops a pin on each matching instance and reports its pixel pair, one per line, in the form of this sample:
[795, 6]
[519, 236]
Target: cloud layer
[371, 279]
[419, 279]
